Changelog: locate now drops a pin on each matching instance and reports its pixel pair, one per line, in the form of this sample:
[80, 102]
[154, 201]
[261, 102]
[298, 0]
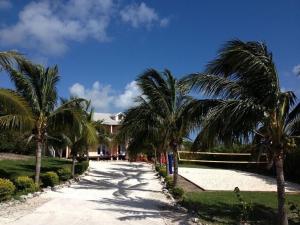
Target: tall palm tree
[249, 103]
[37, 86]
[161, 111]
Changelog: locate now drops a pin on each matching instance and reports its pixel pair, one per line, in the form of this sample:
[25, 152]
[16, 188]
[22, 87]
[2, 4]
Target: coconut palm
[7, 58]
[37, 87]
[161, 111]
[80, 140]
[250, 103]
[14, 110]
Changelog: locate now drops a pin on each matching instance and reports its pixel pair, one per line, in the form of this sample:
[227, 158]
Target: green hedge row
[24, 184]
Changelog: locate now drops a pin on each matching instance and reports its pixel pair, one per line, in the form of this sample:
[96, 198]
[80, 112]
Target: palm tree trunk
[73, 164]
[87, 154]
[38, 158]
[155, 157]
[175, 159]
[167, 163]
[282, 213]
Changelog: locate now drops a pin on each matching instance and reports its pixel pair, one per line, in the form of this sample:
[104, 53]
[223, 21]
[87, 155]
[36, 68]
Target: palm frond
[15, 111]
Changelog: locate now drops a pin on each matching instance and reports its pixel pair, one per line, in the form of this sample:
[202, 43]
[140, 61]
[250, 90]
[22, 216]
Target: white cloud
[296, 69]
[47, 26]
[127, 98]
[5, 4]
[142, 15]
[104, 98]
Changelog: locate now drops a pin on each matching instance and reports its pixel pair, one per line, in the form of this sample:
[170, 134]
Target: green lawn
[13, 168]
[223, 207]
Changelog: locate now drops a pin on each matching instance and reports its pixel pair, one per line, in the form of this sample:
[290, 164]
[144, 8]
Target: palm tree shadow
[141, 208]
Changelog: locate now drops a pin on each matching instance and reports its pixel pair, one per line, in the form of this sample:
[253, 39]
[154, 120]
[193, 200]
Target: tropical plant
[8, 58]
[162, 112]
[36, 105]
[80, 140]
[250, 105]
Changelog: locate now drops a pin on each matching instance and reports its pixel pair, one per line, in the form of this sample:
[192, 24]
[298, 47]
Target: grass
[13, 168]
[222, 207]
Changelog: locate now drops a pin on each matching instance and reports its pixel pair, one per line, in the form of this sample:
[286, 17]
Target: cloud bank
[104, 98]
[49, 26]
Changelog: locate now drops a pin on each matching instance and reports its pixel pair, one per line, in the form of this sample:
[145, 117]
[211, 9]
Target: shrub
[169, 182]
[7, 189]
[177, 192]
[64, 173]
[162, 171]
[157, 167]
[50, 179]
[25, 184]
[81, 167]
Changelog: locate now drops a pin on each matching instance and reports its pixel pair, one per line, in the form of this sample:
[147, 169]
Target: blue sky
[101, 46]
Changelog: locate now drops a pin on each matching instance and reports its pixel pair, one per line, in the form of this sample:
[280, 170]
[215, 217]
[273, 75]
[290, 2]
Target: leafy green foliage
[15, 142]
[177, 192]
[245, 207]
[50, 179]
[64, 173]
[223, 207]
[25, 184]
[81, 167]
[7, 189]
[162, 171]
[169, 182]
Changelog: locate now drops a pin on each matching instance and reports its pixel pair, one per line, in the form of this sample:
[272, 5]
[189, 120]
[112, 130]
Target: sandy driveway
[113, 193]
[227, 180]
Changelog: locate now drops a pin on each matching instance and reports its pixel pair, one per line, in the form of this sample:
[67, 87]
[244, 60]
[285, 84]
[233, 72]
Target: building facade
[110, 149]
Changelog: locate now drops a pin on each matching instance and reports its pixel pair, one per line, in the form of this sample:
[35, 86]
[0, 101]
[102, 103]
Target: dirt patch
[12, 156]
[188, 186]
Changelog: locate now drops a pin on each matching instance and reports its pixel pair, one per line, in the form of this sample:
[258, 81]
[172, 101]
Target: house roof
[108, 118]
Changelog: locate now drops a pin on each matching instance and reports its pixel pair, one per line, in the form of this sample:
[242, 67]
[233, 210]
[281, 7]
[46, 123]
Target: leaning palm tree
[37, 87]
[250, 105]
[161, 111]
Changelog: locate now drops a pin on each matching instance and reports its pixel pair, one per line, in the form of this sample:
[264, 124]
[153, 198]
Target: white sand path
[113, 193]
[227, 180]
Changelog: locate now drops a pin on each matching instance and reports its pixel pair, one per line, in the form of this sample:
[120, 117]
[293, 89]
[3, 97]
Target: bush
[64, 173]
[162, 171]
[81, 167]
[25, 184]
[169, 182]
[50, 179]
[157, 167]
[7, 189]
[177, 192]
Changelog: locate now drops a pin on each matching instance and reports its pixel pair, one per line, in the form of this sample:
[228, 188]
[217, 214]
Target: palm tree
[250, 103]
[81, 139]
[37, 87]
[162, 111]
[14, 110]
[7, 58]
